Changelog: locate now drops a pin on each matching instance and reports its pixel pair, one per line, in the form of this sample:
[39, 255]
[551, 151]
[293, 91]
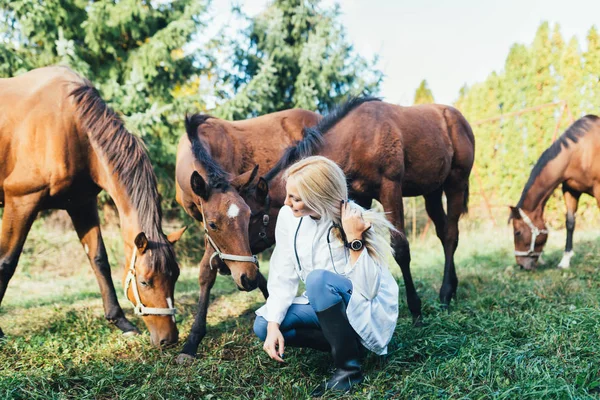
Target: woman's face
[293, 200]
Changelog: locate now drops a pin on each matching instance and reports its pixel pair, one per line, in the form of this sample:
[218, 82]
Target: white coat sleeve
[283, 280]
[365, 275]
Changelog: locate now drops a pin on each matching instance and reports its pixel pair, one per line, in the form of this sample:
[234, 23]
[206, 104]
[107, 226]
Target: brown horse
[389, 152]
[217, 162]
[571, 160]
[62, 146]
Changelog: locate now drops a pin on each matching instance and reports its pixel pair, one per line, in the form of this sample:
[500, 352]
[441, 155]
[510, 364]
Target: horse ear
[199, 185]
[141, 242]
[262, 189]
[175, 236]
[514, 213]
[242, 181]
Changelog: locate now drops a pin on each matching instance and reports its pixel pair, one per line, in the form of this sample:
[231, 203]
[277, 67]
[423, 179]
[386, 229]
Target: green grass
[511, 334]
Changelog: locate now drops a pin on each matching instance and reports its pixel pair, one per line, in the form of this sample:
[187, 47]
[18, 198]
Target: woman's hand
[274, 343]
[352, 222]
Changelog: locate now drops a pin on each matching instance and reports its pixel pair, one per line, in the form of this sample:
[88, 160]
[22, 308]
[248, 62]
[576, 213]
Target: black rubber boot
[311, 338]
[344, 349]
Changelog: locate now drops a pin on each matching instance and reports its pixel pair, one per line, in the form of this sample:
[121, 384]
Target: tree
[294, 54]
[423, 94]
[131, 50]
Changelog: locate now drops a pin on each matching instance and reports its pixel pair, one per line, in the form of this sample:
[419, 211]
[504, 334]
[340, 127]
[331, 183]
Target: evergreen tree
[295, 55]
[592, 73]
[423, 94]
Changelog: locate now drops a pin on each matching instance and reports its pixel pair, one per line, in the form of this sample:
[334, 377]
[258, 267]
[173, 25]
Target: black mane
[217, 177]
[313, 136]
[573, 133]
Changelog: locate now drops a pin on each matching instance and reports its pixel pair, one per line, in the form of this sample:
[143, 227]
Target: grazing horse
[571, 160]
[389, 152]
[62, 146]
[217, 162]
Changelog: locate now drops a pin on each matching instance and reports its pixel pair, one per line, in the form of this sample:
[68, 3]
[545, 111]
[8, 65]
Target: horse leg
[391, 200]
[455, 196]
[206, 279]
[87, 225]
[435, 210]
[572, 202]
[262, 285]
[18, 217]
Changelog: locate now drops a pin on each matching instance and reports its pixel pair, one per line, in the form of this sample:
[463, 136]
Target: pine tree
[423, 94]
[295, 55]
[592, 71]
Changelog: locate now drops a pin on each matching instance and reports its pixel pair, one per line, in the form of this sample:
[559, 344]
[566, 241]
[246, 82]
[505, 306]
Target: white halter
[139, 308]
[222, 256]
[535, 232]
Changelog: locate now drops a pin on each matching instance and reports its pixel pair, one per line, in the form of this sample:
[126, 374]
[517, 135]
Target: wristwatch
[355, 245]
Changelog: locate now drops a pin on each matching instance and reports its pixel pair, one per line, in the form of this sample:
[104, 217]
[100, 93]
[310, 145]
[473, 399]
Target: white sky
[449, 43]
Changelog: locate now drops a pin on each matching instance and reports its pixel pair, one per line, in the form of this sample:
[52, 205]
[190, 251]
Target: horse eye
[144, 283]
[213, 226]
[518, 233]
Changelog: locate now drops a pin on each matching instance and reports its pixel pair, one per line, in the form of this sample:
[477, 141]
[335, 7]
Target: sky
[448, 43]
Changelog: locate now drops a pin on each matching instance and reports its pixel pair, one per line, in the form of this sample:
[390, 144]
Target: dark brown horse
[571, 160]
[61, 146]
[217, 162]
[389, 152]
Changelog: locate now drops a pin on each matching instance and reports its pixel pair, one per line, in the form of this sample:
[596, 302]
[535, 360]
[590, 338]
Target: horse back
[240, 145]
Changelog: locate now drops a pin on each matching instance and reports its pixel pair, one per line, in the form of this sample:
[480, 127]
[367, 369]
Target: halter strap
[218, 252]
[138, 307]
[535, 232]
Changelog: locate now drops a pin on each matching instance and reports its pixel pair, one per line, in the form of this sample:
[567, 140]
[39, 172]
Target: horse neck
[547, 180]
[225, 149]
[130, 220]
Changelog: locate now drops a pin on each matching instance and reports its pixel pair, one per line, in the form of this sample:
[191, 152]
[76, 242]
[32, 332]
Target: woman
[339, 251]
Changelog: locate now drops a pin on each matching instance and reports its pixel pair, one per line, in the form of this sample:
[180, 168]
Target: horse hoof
[1, 334]
[418, 322]
[184, 359]
[129, 334]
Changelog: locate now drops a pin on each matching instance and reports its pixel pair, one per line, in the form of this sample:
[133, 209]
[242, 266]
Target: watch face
[356, 245]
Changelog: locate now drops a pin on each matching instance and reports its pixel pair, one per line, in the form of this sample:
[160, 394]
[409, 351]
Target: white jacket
[373, 307]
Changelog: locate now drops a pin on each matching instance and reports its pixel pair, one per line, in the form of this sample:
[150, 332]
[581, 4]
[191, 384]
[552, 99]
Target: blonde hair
[322, 186]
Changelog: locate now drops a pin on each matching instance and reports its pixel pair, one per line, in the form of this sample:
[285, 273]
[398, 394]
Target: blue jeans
[324, 289]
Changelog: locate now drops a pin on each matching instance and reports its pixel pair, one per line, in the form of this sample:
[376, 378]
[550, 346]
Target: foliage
[423, 94]
[549, 70]
[294, 54]
[510, 334]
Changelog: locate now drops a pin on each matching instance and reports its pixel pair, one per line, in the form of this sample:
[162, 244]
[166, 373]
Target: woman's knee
[317, 280]
[260, 328]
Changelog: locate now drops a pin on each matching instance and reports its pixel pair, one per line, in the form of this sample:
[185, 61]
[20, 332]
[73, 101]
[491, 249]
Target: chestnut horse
[61, 146]
[389, 152]
[571, 160]
[217, 162]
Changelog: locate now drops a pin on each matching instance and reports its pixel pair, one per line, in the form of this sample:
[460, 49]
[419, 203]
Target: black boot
[344, 349]
[311, 338]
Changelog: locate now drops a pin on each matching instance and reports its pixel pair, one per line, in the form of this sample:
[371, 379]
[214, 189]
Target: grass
[510, 333]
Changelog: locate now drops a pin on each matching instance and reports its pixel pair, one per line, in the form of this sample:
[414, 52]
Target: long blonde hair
[322, 186]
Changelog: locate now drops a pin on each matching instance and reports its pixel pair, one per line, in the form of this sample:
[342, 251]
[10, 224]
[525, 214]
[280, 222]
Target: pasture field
[511, 334]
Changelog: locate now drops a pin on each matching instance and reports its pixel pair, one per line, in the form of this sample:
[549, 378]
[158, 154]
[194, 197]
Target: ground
[510, 333]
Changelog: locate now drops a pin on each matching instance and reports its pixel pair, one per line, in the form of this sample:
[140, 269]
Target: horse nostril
[164, 342]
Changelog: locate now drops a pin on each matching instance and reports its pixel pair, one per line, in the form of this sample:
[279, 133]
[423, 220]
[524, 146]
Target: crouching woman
[340, 251]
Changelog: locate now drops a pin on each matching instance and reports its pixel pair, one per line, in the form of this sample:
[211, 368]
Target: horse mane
[313, 136]
[217, 177]
[573, 133]
[126, 156]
